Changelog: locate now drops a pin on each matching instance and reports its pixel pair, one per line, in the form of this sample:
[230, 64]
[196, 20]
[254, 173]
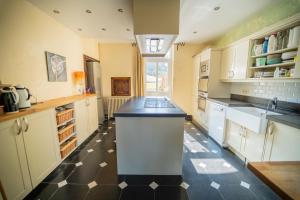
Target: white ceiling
[195, 15]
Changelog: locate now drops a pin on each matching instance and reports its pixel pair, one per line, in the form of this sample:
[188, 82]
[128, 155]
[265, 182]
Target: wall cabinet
[234, 61]
[30, 152]
[86, 117]
[282, 143]
[244, 141]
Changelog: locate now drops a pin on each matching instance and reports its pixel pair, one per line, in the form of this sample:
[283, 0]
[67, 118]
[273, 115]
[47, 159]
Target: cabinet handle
[270, 128]
[26, 124]
[19, 127]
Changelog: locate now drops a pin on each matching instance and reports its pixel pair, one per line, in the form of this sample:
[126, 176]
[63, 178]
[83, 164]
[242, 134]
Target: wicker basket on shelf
[68, 146]
[64, 116]
[65, 132]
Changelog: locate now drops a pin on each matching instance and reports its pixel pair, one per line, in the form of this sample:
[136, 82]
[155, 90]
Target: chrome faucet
[274, 104]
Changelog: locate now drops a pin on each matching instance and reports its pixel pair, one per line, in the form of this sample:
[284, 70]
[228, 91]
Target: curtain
[139, 75]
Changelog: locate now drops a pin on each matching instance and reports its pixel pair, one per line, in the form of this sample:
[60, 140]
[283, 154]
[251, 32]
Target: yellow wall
[90, 47]
[25, 34]
[183, 73]
[117, 60]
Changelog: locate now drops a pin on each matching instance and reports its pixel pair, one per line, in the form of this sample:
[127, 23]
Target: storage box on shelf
[66, 129]
[274, 55]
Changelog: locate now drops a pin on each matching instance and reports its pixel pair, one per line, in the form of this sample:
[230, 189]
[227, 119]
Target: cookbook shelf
[287, 64]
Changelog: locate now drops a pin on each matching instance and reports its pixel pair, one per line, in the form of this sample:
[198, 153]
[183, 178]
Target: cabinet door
[241, 60]
[14, 172]
[253, 145]
[282, 143]
[92, 115]
[41, 144]
[81, 120]
[227, 63]
[234, 138]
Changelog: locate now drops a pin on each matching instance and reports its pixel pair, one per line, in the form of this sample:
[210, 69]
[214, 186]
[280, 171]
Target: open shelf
[275, 52]
[73, 134]
[287, 64]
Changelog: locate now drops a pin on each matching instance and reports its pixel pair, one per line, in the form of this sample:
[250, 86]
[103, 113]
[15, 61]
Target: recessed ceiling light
[195, 32]
[127, 29]
[120, 10]
[103, 29]
[88, 11]
[56, 11]
[79, 29]
[217, 8]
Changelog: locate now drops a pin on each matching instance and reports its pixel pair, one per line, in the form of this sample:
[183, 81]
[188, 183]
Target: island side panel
[149, 145]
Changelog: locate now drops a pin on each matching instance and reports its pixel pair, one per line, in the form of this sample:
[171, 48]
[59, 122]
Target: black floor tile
[168, 180]
[203, 191]
[225, 178]
[74, 192]
[170, 193]
[42, 192]
[144, 180]
[235, 191]
[108, 176]
[104, 192]
[264, 192]
[61, 173]
[137, 193]
[76, 156]
[84, 174]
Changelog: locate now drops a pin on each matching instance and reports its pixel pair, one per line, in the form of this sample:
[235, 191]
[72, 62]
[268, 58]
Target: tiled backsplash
[285, 91]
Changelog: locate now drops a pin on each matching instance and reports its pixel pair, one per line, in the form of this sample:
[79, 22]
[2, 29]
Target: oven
[203, 84]
[204, 68]
[202, 98]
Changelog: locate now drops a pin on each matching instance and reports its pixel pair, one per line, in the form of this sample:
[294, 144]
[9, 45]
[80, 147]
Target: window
[158, 76]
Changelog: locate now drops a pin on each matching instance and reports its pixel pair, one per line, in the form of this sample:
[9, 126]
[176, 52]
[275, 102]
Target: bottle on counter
[265, 45]
[276, 73]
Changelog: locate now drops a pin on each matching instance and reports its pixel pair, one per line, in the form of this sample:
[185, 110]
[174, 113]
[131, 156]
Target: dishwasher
[217, 122]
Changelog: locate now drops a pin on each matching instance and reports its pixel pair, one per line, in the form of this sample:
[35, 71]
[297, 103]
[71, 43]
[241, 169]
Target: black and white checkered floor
[209, 172]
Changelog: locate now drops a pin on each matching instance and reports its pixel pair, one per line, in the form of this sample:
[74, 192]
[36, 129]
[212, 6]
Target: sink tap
[274, 104]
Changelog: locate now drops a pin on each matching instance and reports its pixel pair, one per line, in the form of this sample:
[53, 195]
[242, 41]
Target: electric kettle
[24, 96]
[10, 99]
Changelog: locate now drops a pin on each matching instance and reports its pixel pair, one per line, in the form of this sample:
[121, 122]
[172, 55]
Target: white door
[227, 61]
[14, 172]
[81, 120]
[92, 115]
[283, 143]
[241, 60]
[234, 135]
[41, 144]
[253, 145]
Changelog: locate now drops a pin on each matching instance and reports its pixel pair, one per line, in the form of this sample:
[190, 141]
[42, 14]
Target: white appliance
[204, 68]
[24, 96]
[217, 122]
[94, 83]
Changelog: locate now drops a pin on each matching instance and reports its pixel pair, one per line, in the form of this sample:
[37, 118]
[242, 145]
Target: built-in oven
[203, 84]
[202, 98]
[204, 68]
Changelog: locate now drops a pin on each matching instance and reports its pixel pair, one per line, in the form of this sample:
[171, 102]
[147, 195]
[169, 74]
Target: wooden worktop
[282, 177]
[44, 106]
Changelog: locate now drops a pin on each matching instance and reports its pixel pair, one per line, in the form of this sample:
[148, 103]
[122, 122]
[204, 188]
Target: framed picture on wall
[56, 67]
[120, 86]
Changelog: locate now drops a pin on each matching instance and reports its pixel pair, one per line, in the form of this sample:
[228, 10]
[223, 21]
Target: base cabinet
[234, 135]
[14, 173]
[282, 143]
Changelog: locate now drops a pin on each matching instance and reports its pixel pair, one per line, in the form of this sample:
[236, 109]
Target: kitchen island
[149, 137]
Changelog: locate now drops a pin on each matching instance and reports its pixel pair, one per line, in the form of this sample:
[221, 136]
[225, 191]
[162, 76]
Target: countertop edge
[277, 118]
[45, 105]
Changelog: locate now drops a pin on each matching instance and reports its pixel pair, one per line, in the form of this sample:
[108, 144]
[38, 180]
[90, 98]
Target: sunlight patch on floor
[212, 166]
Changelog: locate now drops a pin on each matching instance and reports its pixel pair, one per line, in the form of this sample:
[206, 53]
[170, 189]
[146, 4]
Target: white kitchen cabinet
[234, 135]
[252, 145]
[86, 114]
[282, 143]
[41, 144]
[81, 121]
[14, 173]
[92, 115]
[234, 61]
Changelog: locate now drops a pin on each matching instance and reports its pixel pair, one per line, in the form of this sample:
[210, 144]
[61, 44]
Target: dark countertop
[229, 102]
[135, 108]
[290, 120]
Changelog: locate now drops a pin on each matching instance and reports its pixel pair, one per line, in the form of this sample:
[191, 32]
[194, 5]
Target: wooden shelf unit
[276, 52]
[287, 64]
[66, 129]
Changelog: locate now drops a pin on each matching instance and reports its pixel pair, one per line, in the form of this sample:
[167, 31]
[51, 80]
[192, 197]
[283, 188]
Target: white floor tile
[98, 141]
[103, 164]
[92, 184]
[153, 185]
[215, 185]
[78, 164]
[123, 185]
[110, 150]
[184, 185]
[245, 185]
[90, 150]
[62, 183]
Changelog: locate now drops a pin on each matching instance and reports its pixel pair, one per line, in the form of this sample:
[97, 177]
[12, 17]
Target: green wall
[265, 17]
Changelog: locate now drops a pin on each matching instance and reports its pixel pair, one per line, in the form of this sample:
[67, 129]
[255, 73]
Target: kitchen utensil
[10, 99]
[24, 95]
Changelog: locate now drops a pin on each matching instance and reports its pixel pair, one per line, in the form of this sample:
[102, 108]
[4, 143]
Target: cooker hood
[156, 25]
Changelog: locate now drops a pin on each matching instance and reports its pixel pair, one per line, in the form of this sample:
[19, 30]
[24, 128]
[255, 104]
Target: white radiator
[112, 104]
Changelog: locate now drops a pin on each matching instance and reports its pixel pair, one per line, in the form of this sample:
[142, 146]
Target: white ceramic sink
[250, 117]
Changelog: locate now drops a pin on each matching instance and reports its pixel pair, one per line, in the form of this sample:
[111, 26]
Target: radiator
[112, 104]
